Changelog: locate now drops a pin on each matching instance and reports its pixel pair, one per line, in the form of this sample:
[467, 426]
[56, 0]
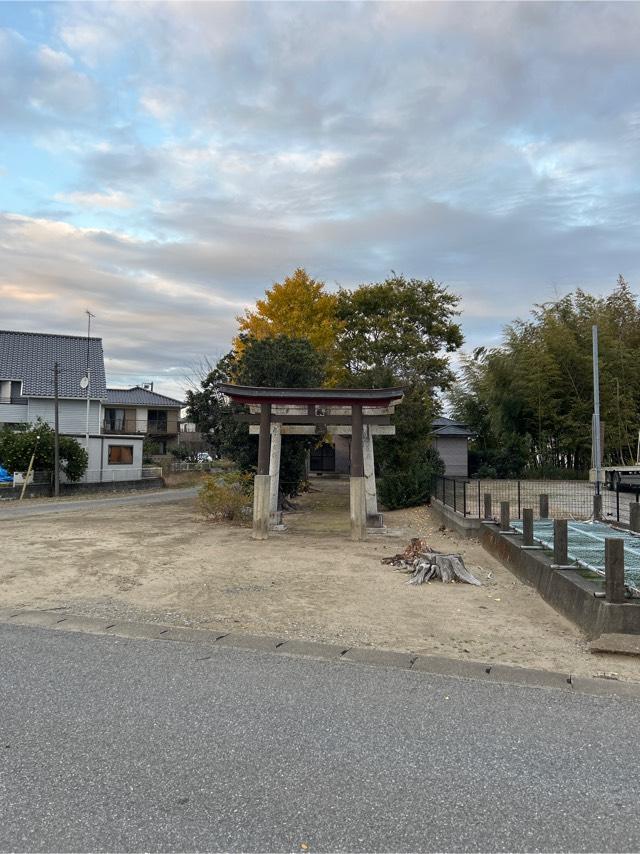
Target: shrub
[17, 446]
[227, 497]
[410, 486]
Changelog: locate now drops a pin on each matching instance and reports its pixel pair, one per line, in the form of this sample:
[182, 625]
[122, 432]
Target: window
[114, 420]
[157, 421]
[120, 455]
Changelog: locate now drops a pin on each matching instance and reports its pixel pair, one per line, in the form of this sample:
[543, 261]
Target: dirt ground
[166, 563]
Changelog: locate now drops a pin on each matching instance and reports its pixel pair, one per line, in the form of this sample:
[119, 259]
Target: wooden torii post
[361, 413]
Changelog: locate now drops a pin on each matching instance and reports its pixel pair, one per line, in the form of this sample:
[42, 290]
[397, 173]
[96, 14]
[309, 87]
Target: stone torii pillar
[357, 503]
[262, 480]
[274, 474]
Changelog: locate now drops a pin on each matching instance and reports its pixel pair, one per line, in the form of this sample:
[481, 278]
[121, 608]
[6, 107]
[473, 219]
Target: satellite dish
[84, 382]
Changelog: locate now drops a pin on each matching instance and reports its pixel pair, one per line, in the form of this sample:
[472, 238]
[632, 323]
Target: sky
[164, 164]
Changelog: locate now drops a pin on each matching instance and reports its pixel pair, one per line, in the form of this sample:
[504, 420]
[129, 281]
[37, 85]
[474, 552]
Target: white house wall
[13, 413]
[120, 472]
[72, 414]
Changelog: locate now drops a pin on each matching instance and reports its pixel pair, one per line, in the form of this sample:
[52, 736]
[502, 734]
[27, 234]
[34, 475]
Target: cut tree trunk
[424, 564]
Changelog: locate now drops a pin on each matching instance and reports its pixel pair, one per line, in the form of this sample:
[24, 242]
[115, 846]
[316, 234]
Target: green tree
[278, 362]
[531, 399]
[17, 446]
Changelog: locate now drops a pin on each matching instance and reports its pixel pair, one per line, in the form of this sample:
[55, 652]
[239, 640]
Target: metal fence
[566, 499]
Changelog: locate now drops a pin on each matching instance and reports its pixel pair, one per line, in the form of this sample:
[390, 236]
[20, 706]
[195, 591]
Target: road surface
[34, 507]
[116, 744]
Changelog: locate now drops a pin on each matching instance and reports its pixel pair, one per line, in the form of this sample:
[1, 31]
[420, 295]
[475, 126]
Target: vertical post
[479, 509]
[356, 481]
[262, 481]
[505, 517]
[618, 501]
[374, 519]
[560, 542]
[597, 450]
[597, 506]
[614, 570]
[634, 517]
[544, 506]
[464, 497]
[454, 495]
[56, 435]
[488, 512]
[527, 527]
[274, 473]
[519, 502]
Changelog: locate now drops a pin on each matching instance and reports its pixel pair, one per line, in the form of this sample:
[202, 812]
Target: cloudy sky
[163, 164]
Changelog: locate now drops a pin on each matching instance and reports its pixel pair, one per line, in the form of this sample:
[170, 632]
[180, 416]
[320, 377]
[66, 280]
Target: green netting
[586, 545]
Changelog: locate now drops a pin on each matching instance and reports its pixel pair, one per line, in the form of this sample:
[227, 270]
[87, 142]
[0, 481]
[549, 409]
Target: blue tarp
[5, 477]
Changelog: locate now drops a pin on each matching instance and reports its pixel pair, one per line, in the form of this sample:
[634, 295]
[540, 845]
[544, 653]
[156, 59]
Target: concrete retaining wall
[565, 590]
[44, 490]
[463, 526]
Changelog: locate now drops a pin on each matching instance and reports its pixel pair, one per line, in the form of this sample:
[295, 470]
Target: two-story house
[87, 410]
[141, 411]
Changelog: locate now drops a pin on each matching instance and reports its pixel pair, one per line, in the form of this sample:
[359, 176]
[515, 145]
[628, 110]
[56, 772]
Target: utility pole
[89, 316]
[56, 437]
[597, 451]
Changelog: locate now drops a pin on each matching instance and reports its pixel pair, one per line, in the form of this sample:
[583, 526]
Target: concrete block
[529, 676]
[605, 687]
[141, 631]
[357, 508]
[261, 498]
[37, 618]
[189, 635]
[443, 666]
[77, 623]
[617, 643]
[379, 657]
[312, 649]
[634, 516]
[254, 642]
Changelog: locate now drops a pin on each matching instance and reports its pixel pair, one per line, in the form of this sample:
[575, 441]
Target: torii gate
[359, 412]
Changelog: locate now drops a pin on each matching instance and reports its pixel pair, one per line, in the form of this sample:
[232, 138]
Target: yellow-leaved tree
[298, 307]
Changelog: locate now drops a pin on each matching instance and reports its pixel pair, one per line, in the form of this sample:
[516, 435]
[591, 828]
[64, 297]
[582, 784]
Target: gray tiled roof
[138, 396]
[30, 356]
[451, 430]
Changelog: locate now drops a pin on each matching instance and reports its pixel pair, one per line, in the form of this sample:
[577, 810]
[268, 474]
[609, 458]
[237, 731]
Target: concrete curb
[61, 620]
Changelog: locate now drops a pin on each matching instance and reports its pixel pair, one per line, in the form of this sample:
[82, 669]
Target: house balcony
[134, 427]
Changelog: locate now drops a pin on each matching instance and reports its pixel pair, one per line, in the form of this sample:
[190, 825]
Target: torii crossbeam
[361, 412]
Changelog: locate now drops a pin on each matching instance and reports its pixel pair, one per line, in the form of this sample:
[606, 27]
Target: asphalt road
[33, 507]
[115, 744]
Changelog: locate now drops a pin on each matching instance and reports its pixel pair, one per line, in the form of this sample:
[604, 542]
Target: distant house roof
[442, 426]
[30, 357]
[138, 396]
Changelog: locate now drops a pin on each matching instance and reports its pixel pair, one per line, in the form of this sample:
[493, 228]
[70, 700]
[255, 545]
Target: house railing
[14, 399]
[133, 426]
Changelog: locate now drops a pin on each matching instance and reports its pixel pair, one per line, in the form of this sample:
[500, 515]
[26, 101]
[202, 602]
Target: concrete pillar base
[261, 491]
[358, 508]
[375, 520]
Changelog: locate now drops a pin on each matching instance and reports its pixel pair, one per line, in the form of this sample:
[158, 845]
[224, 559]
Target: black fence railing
[558, 499]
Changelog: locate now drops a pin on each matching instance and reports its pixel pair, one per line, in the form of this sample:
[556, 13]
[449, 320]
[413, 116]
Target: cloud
[110, 199]
[206, 150]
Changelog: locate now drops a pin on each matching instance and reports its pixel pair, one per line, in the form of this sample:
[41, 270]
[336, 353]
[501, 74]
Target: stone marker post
[488, 511]
[357, 501]
[544, 506]
[634, 516]
[597, 507]
[274, 474]
[505, 517]
[560, 542]
[262, 480]
[614, 570]
[527, 527]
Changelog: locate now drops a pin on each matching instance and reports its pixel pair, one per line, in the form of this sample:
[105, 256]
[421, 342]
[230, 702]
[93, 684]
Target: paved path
[15, 510]
[117, 744]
